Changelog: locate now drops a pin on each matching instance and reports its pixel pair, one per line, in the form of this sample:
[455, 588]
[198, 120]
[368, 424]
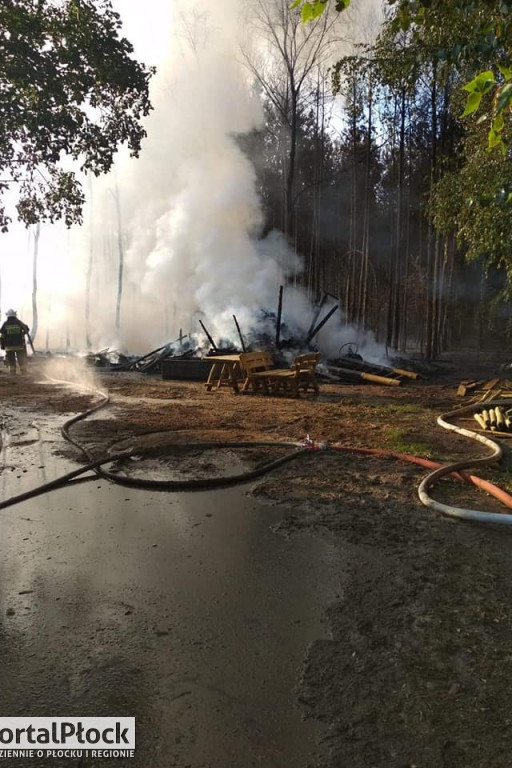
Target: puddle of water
[185, 466]
[184, 610]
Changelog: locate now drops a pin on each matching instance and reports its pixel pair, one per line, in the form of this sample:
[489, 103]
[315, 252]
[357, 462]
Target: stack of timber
[485, 389]
[497, 420]
[351, 369]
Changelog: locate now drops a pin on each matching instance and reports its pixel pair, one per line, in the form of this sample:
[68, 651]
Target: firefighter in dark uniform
[12, 339]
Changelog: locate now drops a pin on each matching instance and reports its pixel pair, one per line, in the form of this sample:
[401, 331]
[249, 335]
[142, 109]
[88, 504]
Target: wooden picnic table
[225, 372]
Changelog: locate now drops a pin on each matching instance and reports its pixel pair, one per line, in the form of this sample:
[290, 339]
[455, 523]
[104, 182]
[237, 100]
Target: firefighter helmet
[10, 313]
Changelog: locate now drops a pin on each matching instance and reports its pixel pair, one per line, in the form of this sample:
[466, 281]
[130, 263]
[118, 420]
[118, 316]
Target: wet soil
[416, 668]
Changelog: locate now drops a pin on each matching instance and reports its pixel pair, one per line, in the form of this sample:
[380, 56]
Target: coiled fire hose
[495, 455]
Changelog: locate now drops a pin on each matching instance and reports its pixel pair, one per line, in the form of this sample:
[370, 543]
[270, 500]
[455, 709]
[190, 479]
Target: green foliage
[474, 203]
[69, 90]
[483, 31]
[312, 9]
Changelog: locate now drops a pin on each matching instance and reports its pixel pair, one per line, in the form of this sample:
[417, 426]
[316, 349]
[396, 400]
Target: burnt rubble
[182, 359]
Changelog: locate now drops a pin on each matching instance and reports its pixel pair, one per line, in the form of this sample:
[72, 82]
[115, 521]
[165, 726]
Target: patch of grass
[385, 409]
[405, 408]
[397, 440]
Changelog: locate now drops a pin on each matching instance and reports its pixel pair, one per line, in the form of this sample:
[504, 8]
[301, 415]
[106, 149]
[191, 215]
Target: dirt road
[416, 668]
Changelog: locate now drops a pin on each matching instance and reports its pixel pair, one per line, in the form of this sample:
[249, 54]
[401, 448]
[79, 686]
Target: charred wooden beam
[347, 374]
[240, 334]
[278, 319]
[311, 335]
[362, 365]
[151, 364]
[208, 335]
[316, 313]
[379, 370]
[137, 362]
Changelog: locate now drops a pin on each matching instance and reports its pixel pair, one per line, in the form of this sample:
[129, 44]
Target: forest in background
[401, 211]
[386, 163]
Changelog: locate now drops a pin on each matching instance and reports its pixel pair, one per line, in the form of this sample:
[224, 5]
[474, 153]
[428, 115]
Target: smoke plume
[184, 219]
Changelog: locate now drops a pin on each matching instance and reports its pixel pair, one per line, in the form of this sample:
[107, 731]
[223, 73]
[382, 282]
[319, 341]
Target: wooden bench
[255, 366]
[260, 376]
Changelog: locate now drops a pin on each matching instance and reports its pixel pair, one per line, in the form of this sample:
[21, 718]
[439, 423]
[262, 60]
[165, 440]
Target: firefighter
[12, 339]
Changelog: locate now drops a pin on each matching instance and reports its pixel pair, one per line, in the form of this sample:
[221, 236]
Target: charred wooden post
[240, 334]
[208, 335]
[316, 313]
[278, 319]
[150, 364]
[311, 335]
[136, 363]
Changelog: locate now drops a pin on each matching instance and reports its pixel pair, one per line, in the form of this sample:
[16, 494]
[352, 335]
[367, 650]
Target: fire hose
[495, 455]
[160, 485]
[300, 449]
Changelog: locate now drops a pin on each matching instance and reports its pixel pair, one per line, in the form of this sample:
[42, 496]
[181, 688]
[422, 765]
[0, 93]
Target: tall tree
[35, 257]
[69, 87]
[468, 30]
[120, 268]
[290, 56]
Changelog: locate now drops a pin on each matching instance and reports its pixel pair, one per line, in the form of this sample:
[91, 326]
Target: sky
[189, 214]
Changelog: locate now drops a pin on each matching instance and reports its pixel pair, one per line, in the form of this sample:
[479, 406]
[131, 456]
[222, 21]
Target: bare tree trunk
[391, 266]
[294, 50]
[88, 275]
[432, 241]
[48, 314]
[481, 308]
[406, 234]
[399, 256]
[363, 301]
[441, 254]
[121, 263]
[353, 211]
[33, 329]
[446, 290]
[290, 171]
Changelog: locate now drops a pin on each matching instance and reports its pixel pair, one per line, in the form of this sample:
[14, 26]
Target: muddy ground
[418, 667]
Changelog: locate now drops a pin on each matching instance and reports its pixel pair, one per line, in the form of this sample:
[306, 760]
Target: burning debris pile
[187, 358]
[187, 354]
[114, 360]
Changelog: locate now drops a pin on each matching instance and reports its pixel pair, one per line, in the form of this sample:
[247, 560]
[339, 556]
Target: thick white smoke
[190, 214]
[185, 215]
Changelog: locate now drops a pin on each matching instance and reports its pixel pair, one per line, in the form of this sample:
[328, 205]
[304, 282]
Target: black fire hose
[158, 485]
[301, 449]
